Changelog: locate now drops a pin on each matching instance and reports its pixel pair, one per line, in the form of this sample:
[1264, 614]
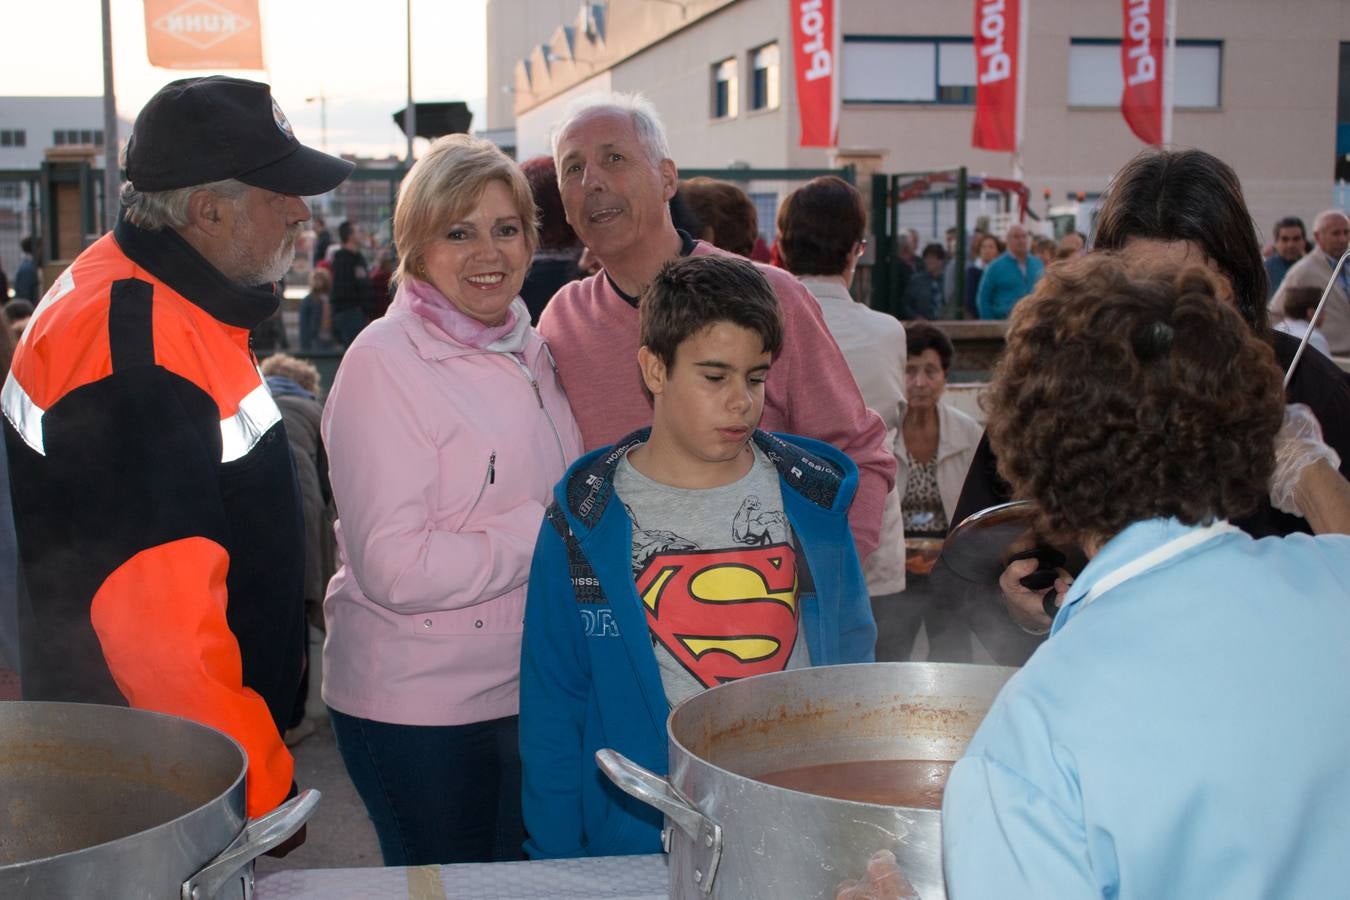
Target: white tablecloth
[599, 878]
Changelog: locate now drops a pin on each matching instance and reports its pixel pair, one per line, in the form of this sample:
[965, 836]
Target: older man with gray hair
[617, 177]
[1331, 231]
[157, 512]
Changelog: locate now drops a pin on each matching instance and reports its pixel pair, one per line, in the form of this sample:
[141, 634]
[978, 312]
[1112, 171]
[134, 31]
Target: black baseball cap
[199, 130]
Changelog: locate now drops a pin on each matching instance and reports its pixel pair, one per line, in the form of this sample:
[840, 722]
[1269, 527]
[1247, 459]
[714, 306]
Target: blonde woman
[446, 429]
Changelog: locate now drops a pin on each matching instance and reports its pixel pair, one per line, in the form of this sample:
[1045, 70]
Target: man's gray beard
[252, 273]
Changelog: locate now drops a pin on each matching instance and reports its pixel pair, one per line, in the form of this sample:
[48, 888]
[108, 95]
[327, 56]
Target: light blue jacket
[1184, 735]
[588, 674]
[1003, 284]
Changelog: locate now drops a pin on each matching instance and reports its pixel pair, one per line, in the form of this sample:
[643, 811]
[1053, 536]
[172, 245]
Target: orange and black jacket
[158, 516]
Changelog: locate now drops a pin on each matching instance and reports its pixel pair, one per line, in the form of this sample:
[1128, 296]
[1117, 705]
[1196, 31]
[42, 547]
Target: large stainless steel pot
[732, 836]
[105, 801]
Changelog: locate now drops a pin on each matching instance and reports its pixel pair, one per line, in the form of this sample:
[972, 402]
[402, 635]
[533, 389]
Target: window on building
[764, 77]
[1095, 78]
[724, 89]
[13, 137]
[59, 137]
[886, 69]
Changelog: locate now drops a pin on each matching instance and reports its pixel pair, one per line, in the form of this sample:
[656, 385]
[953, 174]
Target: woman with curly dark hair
[1186, 207]
[1183, 733]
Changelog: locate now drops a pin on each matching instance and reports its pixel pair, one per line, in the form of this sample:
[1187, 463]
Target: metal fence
[20, 215]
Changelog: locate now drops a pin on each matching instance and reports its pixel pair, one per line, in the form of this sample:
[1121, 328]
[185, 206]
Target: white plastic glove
[1298, 445]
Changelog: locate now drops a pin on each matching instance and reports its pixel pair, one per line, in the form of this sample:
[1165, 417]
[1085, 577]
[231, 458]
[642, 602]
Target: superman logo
[723, 614]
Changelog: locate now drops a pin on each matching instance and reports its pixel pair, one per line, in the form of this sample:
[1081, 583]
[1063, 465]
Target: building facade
[1256, 84]
[30, 127]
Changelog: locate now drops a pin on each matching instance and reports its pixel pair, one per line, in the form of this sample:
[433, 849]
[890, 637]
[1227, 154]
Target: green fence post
[882, 246]
[962, 242]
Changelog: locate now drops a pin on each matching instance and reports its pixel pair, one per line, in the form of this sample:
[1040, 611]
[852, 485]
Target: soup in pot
[916, 783]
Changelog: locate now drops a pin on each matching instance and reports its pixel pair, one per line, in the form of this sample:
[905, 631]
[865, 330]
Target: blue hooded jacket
[589, 677]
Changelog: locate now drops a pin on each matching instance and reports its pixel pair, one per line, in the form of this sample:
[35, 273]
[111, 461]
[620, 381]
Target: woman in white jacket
[933, 451]
[937, 440]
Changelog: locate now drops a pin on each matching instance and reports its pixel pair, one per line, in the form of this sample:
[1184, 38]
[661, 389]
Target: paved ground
[340, 835]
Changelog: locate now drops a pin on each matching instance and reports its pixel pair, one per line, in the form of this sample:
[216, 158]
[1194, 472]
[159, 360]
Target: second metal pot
[106, 801]
[730, 835]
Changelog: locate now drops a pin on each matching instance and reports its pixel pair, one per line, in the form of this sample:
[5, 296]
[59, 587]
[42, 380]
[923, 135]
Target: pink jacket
[442, 458]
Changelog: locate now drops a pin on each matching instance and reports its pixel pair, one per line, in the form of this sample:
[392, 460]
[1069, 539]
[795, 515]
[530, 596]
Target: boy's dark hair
[1299, 302]
[934, 249]
[692, 293]
[344, 232]
[921, 336]
[26, 244]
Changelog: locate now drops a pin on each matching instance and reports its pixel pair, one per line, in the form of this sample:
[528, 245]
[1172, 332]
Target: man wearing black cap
[159, 522]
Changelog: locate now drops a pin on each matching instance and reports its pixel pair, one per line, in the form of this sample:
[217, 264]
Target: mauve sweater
[593, 335]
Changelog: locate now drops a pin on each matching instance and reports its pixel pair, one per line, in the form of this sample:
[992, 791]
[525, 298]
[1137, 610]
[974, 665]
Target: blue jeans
[437, 794]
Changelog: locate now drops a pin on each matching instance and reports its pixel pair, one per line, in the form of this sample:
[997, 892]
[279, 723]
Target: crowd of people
[555, 504]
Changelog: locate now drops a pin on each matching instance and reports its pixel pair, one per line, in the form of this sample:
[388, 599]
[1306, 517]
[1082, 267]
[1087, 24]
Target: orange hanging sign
[203, 34]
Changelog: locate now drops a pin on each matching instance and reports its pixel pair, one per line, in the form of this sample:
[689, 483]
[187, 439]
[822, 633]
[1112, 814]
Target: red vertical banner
[1141, 65]
[815, 54]
[997, 45]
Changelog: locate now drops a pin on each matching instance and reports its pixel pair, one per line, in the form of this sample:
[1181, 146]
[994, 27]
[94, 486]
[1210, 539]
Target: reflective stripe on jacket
[158, 518]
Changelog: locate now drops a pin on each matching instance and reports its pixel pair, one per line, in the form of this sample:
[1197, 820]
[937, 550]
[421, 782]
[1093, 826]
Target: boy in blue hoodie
[693, 553]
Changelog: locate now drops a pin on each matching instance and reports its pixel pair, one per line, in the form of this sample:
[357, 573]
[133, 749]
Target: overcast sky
[352, 52]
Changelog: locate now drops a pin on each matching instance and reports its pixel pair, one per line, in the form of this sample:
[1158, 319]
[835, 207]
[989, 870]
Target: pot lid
[980, 547]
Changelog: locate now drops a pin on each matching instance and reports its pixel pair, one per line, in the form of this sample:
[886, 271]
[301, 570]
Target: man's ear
[204, 212]
[670, 178]
[653, 371]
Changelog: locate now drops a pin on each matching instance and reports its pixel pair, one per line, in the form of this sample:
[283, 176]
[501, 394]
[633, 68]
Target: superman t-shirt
[716, 574]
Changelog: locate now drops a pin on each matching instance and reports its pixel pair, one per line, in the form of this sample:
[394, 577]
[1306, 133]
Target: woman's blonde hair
[445, 185]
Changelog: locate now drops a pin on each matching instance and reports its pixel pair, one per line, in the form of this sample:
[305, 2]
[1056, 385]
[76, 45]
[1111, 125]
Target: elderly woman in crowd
[447, 428]
[933, 451]
[294, 384]
[1186, 206]
[938, 439]
[1183, 731]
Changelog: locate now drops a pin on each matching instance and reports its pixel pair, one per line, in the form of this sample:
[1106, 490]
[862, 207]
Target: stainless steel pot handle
[656, 791]
[259, 836]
